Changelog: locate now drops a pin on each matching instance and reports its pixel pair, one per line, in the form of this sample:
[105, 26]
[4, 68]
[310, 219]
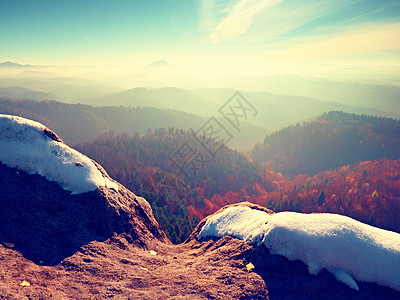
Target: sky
[239, 37]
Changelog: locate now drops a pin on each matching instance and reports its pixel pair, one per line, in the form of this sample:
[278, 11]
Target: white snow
[349, 249]
[24, 145]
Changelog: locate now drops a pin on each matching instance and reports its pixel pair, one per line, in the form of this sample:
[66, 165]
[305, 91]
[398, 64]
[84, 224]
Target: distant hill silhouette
[77, 123]
[278, 110]
[24, 93]
[160, 63]
[168, 97]
[10, 64]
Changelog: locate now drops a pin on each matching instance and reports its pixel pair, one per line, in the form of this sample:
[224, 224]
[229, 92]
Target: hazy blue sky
[256, 37]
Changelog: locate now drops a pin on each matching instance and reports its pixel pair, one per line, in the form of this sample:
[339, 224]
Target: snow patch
[345, 278]
[237, 223]
[345, 247]
[25, 146]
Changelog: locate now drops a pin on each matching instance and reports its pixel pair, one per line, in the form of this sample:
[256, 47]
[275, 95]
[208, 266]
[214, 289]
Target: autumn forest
[337, 162]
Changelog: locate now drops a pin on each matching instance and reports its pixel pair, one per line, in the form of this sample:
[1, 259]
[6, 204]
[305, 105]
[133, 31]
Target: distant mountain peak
[10, 64]
[160, 63]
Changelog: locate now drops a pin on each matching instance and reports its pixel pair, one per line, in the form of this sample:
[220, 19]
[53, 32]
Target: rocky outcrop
[106, 244]
[47, 224]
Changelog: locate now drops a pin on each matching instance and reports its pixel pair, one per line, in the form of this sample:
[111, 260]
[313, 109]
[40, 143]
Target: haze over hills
[83, 85]
[66, 89]
[352, 93]
[76, 123]
[24, 93]
[274, 111]
[279, 100]
[168, 97]
[278, 110]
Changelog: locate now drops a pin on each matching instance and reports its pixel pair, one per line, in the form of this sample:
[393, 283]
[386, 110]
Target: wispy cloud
[358, 41]
[85, 38]
[240, 18]
[269, 20]
[212, 11]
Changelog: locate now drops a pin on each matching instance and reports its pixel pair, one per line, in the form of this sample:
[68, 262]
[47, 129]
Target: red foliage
[368, 191]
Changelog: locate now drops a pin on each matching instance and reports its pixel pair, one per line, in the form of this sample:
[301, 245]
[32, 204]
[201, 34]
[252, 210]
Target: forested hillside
[77, 123]
[332, 140]
[367, 190]
[153, 165]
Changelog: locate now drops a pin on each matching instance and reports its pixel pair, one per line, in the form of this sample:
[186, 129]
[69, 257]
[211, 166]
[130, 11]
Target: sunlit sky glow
[239, 37]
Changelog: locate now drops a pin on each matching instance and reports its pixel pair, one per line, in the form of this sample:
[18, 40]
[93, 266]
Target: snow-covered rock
[29, 146]
[349, 249]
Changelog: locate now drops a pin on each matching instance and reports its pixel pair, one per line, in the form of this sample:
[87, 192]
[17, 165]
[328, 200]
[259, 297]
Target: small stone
[24, 283]
[250, 267]
[9, 245]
